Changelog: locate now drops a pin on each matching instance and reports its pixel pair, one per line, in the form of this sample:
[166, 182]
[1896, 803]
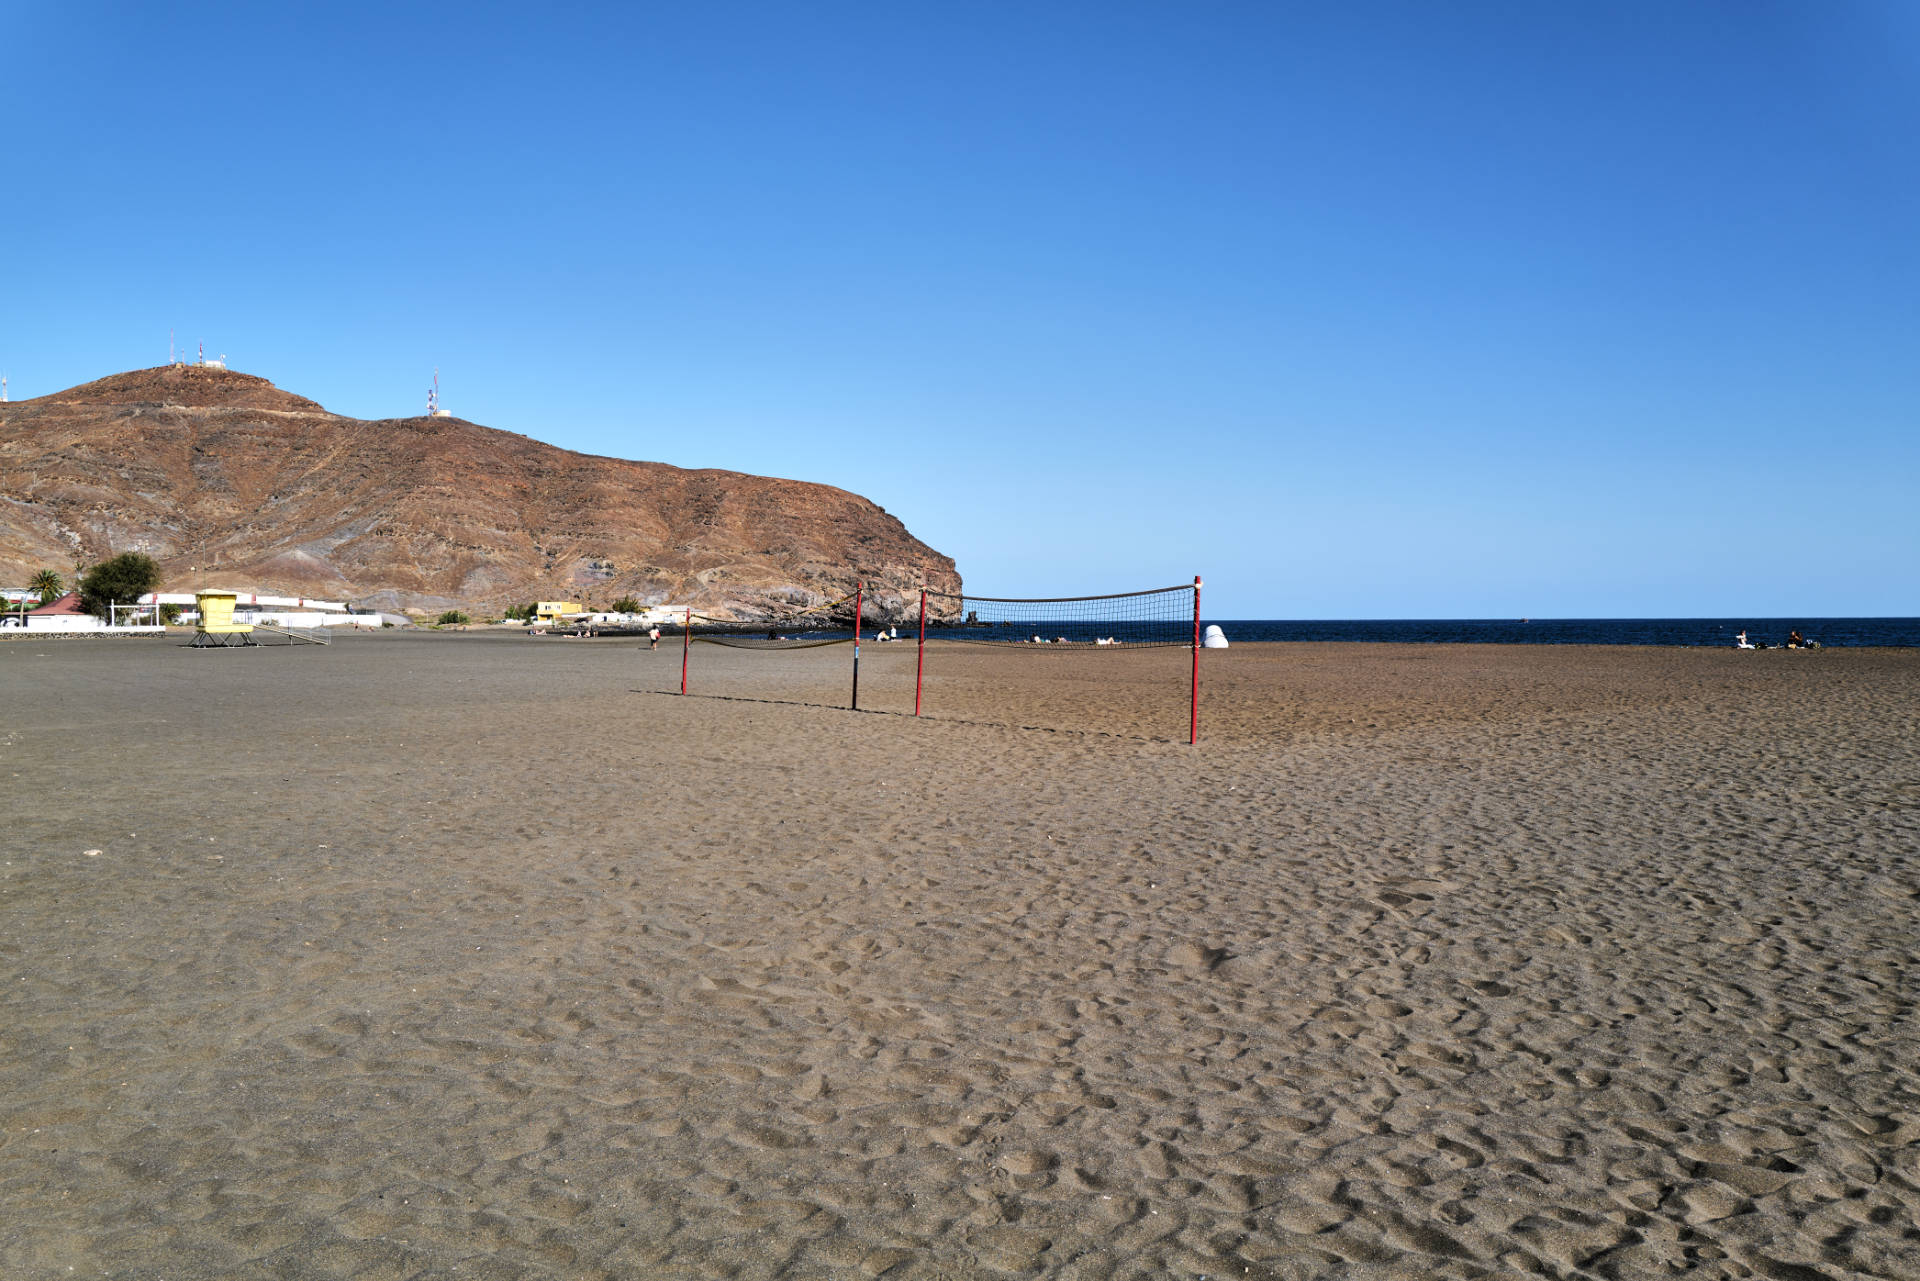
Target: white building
[66, 616]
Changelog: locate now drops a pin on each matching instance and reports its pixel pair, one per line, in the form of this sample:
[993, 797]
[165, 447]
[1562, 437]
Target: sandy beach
[490, 956]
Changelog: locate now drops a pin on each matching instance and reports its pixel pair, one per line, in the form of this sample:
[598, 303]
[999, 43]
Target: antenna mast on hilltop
[433, 398]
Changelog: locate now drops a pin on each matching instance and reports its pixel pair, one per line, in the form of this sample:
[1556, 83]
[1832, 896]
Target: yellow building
[217, 627]
[552, 611]
[216, 612]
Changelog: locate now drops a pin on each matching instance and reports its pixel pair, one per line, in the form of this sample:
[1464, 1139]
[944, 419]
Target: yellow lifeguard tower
[217, 629]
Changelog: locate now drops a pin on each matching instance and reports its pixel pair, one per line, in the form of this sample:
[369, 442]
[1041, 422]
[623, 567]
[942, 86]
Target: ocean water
[1837, 632]
[1903, 632]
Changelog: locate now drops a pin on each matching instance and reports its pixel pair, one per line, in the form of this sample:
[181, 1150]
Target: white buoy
[1215, 638]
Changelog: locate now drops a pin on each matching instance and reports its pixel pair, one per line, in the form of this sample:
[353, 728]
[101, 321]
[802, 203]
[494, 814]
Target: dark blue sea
[1904, 632]
[1835, 632]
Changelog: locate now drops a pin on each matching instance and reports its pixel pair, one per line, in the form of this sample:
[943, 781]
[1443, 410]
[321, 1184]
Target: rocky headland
[200, 467]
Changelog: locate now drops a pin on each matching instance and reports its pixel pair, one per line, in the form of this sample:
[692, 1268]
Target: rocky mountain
[199, 466]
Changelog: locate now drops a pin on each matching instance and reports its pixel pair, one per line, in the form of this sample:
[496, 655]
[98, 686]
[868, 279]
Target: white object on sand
[1215, 638]
[1741, 642]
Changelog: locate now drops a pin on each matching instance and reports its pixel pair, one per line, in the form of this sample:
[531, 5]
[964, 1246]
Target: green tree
[626, 605]
[452, 616]
[49, 584]
[123, 580]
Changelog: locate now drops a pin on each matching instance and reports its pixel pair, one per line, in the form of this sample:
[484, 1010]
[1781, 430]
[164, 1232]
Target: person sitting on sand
[1795, 640]
[1741, 642]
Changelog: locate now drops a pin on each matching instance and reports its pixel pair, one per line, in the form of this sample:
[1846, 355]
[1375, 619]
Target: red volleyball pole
[920, 660]
[1193, 730]
[686, 643]
[858, 588]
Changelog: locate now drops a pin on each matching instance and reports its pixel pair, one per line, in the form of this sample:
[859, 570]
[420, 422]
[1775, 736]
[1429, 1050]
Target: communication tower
[433, 398]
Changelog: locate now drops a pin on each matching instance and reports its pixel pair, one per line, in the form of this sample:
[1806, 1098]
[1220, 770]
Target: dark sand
[483, 956]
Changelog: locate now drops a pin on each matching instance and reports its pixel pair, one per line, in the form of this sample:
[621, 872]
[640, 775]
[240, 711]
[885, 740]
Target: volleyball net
[803, 627]
[1159, 617]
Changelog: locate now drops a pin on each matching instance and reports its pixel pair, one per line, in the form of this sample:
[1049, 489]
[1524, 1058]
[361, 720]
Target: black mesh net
[1161, 616]
[802, 628]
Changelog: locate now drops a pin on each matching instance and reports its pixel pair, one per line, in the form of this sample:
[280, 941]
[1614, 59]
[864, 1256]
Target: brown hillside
[183, 386]
[198, 466]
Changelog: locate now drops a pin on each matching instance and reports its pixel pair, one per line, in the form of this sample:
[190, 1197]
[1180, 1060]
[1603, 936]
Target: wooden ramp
[296, 635]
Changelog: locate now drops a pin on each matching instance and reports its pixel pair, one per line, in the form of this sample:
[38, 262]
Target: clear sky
[1361, 310]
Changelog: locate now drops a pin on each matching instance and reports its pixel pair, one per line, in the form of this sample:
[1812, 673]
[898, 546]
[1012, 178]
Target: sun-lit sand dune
[491, 956]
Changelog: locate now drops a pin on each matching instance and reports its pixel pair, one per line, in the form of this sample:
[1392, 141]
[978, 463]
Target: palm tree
[49, 584]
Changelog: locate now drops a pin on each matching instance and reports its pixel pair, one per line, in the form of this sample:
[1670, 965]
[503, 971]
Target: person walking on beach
[653, 637]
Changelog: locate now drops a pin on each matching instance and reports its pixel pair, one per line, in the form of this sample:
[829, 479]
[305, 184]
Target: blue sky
[1361, 310]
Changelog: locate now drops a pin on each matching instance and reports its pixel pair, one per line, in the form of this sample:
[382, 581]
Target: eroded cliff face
[198, 466]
